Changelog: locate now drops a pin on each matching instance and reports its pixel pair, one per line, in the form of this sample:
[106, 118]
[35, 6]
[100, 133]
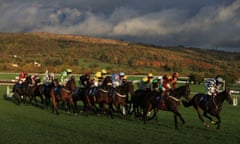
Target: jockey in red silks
[22, 77]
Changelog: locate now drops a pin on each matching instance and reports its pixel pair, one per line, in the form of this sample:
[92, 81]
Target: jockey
[115, 80]
[124, 80]
[84, 80]
[97, 79]
[166, 83]
[22, 77]
[48, 78]
[175, 76]
[121, 78]
[103, 73]
[35, 78]
[214, 86]
[65, 76]
[157, 83]
[211, 87]
[220, 84]
[146, 82]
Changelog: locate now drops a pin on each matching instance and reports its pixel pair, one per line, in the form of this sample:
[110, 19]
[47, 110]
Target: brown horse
[170, 103]
[34, 91]
[20, 90]
[209, 105]
[120, 97]
[63, 93]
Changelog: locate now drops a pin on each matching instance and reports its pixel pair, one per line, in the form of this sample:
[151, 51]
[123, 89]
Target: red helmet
[87, 73]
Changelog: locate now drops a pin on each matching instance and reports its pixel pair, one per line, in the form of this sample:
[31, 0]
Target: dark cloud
[202, 23]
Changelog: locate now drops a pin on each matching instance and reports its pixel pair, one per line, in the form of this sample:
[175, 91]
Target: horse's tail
[187, 104]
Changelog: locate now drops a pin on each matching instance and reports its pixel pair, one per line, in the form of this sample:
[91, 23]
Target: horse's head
[183, 91]
[127, 87]
[107, 82]
[226, 95]
[71, 84]
[55, 82]
[28, 80]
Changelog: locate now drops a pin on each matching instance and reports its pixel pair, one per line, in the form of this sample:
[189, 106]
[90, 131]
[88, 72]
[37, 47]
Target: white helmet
[219, 80]
[51, 74]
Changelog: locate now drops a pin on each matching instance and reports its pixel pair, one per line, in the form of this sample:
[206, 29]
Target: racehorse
[82, 94]
[20, 90]
[34, 90]
[63, 93]
[120, 97]
[45, 90]
[210, 105]
[169, 103]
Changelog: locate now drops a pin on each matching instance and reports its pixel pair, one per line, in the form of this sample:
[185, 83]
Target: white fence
[235, 95]
[8, 85]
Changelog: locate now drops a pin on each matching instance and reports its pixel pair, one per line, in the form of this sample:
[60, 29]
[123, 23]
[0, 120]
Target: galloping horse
[34, 91]
[83, 95]
[211, 105]
[120, 97]
[63, 94]
[170, 103]
[20, 90]
[45, 90]
[104, 95]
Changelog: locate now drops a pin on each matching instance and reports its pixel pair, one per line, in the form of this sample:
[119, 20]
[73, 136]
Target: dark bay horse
[63, 93]
[20, 90]
[210, 105]
[34, 91]
[45, 90]
[82, 93]
[170, 103]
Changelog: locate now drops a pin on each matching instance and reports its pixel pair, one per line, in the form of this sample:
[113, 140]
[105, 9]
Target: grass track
[30, 124]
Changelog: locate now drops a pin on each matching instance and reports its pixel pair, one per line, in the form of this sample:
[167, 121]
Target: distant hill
[36, 52]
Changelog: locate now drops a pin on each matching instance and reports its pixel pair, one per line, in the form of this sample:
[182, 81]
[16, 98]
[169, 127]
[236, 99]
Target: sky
[212, 24]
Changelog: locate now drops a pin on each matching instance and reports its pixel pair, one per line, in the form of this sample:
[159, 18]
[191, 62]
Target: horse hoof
[213, 122]
[206, 125]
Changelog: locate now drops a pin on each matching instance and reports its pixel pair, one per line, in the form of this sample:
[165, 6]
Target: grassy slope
[31, 124]
[57, 52]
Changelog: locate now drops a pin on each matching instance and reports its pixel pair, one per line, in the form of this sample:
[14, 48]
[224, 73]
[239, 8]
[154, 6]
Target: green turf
[27, 123]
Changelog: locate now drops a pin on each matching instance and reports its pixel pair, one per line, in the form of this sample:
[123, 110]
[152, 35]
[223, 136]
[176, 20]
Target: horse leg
[200, 117]
[211, 120]
[110, 108]
[54, 105]
[219, 121]
[177, 114]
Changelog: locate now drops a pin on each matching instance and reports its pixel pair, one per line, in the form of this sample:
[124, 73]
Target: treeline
[57, 52]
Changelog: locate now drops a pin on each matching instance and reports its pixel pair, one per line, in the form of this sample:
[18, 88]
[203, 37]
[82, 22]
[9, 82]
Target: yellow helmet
[145, 79]
[104, 71]
[69, 70]
[150, 75]
[97, 75]
[125, 77]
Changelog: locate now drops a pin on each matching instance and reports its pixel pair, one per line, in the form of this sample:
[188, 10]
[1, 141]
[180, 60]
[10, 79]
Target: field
[31, 124]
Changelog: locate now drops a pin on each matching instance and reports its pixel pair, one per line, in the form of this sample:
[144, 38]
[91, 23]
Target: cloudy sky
[192, 23]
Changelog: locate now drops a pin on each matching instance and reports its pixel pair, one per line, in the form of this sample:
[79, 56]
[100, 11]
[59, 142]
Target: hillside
[36, 52]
